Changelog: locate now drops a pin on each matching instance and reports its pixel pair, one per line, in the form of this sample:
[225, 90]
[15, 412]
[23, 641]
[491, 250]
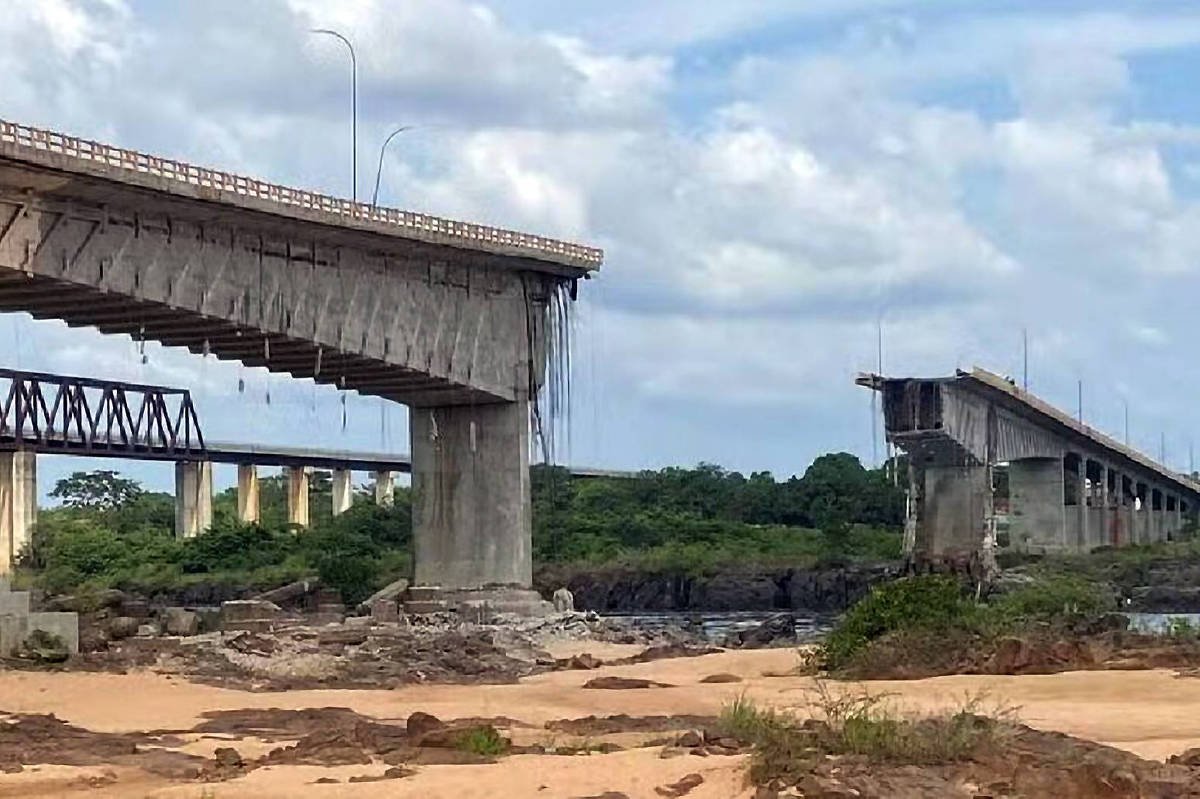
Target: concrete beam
[193, 498]
[343, 491]
[18, 504]
[385, 488]
[951, 519]
[297, 496]
[248, 504]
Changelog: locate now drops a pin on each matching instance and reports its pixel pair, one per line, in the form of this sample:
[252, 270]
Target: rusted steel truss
[80, 415]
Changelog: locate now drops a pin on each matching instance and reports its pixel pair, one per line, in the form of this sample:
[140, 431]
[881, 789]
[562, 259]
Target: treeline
[702, 517]
[110, 531]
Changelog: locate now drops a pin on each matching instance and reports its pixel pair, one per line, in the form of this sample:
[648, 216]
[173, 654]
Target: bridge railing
[170, 169]
[81, 415]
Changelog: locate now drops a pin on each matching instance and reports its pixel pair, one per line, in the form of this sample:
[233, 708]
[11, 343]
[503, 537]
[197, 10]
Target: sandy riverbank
[1151, 713]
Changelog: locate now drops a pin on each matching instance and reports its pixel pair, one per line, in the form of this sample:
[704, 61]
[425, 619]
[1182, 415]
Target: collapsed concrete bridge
[458, 321]
[1069, 486]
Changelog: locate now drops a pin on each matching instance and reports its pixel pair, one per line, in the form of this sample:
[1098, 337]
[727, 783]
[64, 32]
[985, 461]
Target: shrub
[346, 561]
[1049, 597]
[483, 740]
[912, 602]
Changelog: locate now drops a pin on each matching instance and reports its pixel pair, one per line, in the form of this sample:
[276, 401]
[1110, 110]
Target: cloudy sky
[770, 180]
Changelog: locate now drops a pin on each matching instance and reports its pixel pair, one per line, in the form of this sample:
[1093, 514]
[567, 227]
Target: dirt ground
[147, 730]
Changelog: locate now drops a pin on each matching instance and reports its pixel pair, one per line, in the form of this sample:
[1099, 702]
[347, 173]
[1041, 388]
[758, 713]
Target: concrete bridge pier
[193, 498]
[472, 532]
[385, 489]
[1036, 491]
[297, 495]
[249, 511]
[343, 491]
[18, 504]
[953, 511]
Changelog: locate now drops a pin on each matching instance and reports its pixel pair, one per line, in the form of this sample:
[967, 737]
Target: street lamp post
[353, 108]
[379, 169]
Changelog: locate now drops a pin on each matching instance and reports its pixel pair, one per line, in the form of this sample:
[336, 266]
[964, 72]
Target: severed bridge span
[460, 322]
[1068, 487]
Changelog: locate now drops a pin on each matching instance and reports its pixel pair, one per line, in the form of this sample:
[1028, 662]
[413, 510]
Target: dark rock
[779, 629]
[623, 683]
[583, 662]
[228, 757]
[721, 678]
[421, 723]
[689, 739]
[179, 621]
[122, 627]
[43, 647]
[682, 787]
[343, 637]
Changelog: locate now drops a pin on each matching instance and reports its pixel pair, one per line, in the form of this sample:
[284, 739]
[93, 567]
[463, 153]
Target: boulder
[564, 601]
[420, 724]
[385, 610]
[43, 647]
[777, 630]
[682, 787]
[122, 627]
[721, 678]
[1011, 655]
[390, 592]
[180, 621]
[623, 683]
[238, 610]
[148, 630]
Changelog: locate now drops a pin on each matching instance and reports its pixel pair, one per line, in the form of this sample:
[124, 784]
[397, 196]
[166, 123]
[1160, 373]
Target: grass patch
[485, 741]
[862, 725]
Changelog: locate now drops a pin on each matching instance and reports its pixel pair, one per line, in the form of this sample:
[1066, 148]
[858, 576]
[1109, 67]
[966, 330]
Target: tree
[100, 490]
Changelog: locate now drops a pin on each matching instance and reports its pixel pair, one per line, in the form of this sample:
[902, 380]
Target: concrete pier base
[193, 498]
[471, 501]
[297, 495]
[343, 491]
[248, 505]
[18, 504]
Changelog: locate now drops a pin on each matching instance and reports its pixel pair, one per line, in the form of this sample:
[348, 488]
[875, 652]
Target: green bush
[912, 602]
[1050, 597]
[346, 561]
[233, 546]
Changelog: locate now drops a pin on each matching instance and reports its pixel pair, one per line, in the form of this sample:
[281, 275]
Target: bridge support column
[193, 498]
[297, 495]
[471, 501]
[385, 489]
[952, 512]
[1099, 535]
[1036, 504]
[18, 504]
[247, 494]
[343, 491]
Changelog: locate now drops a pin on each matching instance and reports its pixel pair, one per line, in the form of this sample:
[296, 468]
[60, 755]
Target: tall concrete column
[471, 501]
[343, 491]
[1099, 537]
[18, 504]
[951, 512]
[1036, 509]
[297, 495]
[193, 498]
[385, 489]
[1080, 539]
[1130, 534]
[247, 494]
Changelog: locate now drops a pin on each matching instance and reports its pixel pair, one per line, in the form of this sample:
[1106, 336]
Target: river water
[715, 627]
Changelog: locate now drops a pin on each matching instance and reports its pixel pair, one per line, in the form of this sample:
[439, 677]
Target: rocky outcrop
[809, 590]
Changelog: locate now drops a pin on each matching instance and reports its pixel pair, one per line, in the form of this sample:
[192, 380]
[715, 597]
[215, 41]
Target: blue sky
[769, 179]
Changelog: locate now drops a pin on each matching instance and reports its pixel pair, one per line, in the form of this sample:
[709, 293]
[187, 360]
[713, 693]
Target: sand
[1151, 713]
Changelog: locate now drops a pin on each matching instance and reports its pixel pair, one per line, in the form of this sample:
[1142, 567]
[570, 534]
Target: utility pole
[1025, 359]
[353, 108]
